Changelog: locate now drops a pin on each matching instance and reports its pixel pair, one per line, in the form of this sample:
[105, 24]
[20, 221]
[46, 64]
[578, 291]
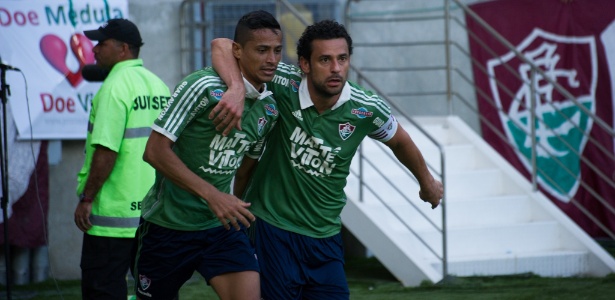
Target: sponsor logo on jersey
[277, 79]
[270, 110]
[346, 130]
[297, 114]
[179, 89]
[378, 122]
[226, 152]
[217, 93]
[362, 112]
[261, 124]
[173, 97]
[294, 85]
[216, 171]
[310, 154]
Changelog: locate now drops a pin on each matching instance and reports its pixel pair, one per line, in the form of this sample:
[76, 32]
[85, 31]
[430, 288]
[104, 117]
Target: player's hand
[82, 216]
[227, 113]
[231, 210]
[432, 192]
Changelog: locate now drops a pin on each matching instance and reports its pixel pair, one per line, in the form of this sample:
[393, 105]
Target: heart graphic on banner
[55, 51]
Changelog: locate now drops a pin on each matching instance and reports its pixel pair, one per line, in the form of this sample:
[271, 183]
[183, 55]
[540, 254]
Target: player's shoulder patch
[366, 101]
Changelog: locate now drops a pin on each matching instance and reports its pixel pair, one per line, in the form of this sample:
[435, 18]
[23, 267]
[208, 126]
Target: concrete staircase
[496, 224]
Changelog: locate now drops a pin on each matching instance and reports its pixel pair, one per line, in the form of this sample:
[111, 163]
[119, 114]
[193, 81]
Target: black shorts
[104, 264]
[167, 258]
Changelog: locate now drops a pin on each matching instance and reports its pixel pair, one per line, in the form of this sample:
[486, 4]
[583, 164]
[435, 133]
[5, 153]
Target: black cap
[119, 29]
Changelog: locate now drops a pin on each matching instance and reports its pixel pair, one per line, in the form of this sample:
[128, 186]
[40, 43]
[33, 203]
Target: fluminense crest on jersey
[144, 282]
[561, 127]
[346, 130]
[361, 112]
[261, 125]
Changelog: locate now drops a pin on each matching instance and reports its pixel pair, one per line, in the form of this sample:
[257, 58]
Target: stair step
[439, 130]
[488, 211]
[547, 263]
[465, 157]
[498, 240]
[501, 210]
[495, 224]
[461, 210]
[470, 183]
[458, 156]
[474, 183]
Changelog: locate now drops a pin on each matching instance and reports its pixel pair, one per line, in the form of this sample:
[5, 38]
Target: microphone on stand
[94, 73]
[8, 67]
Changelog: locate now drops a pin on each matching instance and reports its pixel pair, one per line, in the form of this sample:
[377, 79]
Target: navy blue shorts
[295, 266]
[167, 258]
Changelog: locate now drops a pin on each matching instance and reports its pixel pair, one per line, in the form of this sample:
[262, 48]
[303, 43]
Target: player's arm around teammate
[227, 114]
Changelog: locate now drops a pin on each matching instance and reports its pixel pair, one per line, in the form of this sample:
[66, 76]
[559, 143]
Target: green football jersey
[213, 157]
[299, 182]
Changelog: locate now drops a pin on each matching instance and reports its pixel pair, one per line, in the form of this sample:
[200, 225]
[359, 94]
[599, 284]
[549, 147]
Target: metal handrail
[600, 147]
[392, 210]
[538, 70]
[363, 78]
[382, 17]
[573, 99]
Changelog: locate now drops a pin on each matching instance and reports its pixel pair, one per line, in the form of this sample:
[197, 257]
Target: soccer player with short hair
[297, 190]
[189, 211]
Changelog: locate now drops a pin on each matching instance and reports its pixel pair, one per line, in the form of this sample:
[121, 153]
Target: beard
[324, 91]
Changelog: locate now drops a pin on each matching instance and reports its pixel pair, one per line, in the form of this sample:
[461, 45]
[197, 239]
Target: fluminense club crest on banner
[561, 127]
[572, 45]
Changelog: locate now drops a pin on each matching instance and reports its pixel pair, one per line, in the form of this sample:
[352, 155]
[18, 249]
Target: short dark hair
[254, 20]
[323, 30]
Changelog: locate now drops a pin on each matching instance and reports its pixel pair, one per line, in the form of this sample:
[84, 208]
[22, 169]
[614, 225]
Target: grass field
[369, 280]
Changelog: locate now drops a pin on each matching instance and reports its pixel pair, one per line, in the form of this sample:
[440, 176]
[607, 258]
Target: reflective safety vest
[122, 113]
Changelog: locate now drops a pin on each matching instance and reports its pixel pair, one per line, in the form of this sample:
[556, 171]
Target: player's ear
[304, 64]
[237, 50]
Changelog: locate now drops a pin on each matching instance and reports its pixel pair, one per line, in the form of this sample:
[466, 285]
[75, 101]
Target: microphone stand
[4, 92]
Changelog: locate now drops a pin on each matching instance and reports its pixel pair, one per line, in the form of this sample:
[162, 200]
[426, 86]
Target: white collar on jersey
[253, 93]
[306, 101]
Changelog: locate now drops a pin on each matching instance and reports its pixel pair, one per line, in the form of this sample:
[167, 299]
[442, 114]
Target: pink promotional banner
[573, 43]
[44, 39]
